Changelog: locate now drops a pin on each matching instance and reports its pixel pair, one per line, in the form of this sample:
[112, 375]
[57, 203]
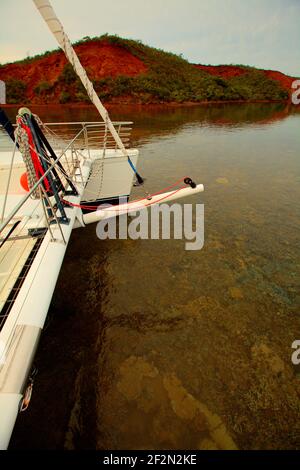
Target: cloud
[264, 33]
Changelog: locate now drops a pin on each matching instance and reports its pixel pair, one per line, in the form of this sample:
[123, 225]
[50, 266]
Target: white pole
[57, 30]
[114, 211]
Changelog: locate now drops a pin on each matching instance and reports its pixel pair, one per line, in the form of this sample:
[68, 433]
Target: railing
[94, 135]
[69, 138]
[23, 229]
[72, 163]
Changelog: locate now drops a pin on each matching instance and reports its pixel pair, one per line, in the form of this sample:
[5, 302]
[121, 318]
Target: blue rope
[139, 178]
[132, 165]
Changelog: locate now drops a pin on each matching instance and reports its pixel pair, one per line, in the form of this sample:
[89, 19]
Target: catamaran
[53, 178]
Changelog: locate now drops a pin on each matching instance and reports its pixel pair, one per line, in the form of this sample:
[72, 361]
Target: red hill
[128, 71]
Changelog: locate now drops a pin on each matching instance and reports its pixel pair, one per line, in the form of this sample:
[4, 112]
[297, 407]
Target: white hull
[21, 330]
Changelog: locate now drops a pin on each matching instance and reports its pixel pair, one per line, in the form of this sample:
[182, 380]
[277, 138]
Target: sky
[261, 33]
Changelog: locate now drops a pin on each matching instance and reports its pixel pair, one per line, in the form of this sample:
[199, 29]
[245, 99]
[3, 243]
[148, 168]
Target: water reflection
[154, 347]
[169, 118]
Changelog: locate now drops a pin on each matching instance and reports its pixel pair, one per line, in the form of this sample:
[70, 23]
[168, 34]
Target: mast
[57, 30]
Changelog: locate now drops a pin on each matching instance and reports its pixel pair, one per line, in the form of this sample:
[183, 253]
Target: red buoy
[24, 181]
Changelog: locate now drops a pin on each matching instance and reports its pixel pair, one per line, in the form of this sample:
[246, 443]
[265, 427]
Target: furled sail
[57, 29]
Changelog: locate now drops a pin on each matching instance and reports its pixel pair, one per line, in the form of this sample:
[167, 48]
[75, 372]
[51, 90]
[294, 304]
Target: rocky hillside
[127, 71]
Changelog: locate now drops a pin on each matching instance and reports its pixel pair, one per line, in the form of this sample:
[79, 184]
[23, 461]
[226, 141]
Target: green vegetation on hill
[169, 78]
[15, 90]
[172, 78]
[255, 85]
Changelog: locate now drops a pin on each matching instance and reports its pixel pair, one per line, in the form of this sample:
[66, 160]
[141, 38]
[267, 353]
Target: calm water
[149, 346]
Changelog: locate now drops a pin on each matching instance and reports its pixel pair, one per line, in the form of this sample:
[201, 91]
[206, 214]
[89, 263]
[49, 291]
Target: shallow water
[149, 346]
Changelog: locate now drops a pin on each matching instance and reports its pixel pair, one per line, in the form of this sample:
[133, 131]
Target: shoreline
[110, 105]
